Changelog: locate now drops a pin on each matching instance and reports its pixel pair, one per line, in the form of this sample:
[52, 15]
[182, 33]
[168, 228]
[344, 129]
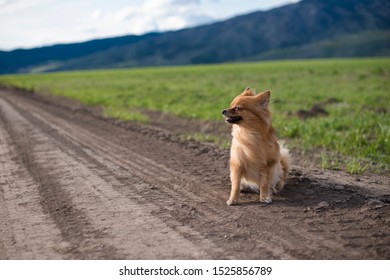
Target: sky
[34, 23]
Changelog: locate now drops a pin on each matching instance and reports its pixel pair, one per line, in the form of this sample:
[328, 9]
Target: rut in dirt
[77, 186]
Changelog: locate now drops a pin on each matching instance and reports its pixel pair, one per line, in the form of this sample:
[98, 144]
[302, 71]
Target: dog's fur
[257, 158]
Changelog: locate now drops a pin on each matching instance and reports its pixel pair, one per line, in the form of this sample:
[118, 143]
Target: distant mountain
[310, 28]
[22, 60]
[364, 44]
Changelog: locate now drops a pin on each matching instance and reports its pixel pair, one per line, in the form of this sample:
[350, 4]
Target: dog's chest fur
[246, 146]
[253, 148]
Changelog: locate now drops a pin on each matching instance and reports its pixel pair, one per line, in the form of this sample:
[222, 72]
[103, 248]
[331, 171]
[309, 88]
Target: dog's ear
[264, 98]
[248, 92]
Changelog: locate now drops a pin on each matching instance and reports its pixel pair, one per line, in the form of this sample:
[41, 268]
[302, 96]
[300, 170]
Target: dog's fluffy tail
[285, 158]
[285, 162]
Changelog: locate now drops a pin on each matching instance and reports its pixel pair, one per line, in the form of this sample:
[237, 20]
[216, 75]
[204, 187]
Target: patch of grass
[354, 166]
[330, 163]
[125, 114]
[357, 124]
[201, 137]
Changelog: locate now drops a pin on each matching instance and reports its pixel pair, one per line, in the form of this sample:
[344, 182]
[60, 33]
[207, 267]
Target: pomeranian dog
[257, 159]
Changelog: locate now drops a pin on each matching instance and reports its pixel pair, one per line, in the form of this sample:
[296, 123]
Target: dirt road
[74, 185]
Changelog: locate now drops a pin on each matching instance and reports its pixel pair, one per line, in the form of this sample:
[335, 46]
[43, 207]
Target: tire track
[23, 221]
[83, 205]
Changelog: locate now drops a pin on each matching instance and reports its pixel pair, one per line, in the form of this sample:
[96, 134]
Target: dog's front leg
[235, 177]
[265, 187]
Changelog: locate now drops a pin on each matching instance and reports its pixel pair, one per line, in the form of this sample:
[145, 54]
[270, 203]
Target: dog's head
[249, 107]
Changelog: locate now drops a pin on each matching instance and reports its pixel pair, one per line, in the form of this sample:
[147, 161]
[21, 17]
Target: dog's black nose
[224, 112]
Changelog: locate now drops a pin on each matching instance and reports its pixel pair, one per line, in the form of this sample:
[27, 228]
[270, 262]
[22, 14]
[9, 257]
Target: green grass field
[355, 92]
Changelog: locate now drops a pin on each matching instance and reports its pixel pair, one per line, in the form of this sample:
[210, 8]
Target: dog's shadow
[303, 192]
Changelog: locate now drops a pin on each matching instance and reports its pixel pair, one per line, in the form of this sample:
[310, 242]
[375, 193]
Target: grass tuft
[125, 115]
[354, 166]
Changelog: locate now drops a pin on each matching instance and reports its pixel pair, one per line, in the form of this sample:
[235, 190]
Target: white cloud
[149, 16]
[173, 22]
[96, 14]
[124, 13]
[161, 15]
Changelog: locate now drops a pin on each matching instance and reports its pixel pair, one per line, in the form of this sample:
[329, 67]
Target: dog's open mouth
[233, 119]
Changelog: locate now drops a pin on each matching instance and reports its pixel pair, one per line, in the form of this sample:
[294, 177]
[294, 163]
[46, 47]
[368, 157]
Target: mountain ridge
[283, 32]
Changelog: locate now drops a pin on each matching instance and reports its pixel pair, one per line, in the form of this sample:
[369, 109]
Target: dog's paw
[266, 200]
[231, 202]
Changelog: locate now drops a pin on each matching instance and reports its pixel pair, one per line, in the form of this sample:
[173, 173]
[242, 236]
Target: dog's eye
[237, 108]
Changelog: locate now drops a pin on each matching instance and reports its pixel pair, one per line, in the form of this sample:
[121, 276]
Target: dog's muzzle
[230, 119]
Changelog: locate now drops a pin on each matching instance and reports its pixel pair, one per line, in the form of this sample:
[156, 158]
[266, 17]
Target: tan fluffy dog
[257, 158]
